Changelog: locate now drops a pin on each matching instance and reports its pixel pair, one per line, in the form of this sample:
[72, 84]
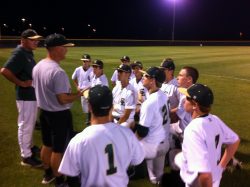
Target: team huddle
[146, 115]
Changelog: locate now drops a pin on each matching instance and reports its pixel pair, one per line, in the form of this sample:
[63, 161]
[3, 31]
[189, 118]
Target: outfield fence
[7, 43]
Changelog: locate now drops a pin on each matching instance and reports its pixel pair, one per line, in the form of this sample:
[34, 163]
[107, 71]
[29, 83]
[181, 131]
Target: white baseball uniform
[139, 89]
[84, 81]
[114, 77]
[184, 117]
[101, 154]
[123, 98]
[155, 116]
[102, 80]
[171, 90]
[201, 149]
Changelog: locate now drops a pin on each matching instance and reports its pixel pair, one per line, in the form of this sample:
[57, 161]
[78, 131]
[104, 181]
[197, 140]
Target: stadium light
[173, 26]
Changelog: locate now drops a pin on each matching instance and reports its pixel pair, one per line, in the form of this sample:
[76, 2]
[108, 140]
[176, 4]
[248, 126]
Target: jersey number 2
[109, 150]
[164, 111]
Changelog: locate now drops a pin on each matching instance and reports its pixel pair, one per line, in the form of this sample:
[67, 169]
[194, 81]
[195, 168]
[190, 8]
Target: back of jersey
[102, 154]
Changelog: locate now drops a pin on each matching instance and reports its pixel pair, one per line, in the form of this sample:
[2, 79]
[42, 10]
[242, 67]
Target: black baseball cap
[98, 63]
[168, 63]
[156, 73]
[30, 34]
[100, 98]
[125, 58]
[86, 57]
[136, 64]
[200, 93]
[124, 68]
[54, 40]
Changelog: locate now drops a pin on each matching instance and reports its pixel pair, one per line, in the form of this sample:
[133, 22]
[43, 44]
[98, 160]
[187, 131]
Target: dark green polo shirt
[21, 63]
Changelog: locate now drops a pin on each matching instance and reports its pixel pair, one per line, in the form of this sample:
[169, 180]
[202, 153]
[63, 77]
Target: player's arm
[205, 180]
[11, 77]
[125, 116]
[65, 98]
[229, 153]
[75, 81]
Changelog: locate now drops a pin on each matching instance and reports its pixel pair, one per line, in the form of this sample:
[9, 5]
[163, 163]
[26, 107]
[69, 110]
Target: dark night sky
[133, 19]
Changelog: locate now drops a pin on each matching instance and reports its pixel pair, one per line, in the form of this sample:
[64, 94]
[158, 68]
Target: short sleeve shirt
[123, 98]
[83, 77]
[21, 63]
[101, 154]
[155, 115]
[102, 80]
[49, 80]
[203, 139]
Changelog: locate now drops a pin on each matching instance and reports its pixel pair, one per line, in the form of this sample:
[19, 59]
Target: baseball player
[200, 162]
[187, 77]
[114, 79]
[82, 77]
[141, 92]
[153, 128]
[170, 85]
[99, 76]
[124, 98]
[102, 152]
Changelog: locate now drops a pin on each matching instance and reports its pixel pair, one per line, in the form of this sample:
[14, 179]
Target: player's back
[104, 153]
[209, 132]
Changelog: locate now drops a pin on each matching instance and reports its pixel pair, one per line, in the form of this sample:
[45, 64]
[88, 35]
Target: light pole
[173, 27]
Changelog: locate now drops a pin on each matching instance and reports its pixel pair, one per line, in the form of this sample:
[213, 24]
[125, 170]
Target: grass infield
[224, 69]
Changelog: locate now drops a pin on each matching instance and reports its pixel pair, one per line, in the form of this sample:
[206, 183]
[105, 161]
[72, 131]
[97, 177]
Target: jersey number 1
[109, 150]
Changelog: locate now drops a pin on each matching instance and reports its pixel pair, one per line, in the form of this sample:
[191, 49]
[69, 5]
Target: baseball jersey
[171, 90]
[155, 115]
[83, 77]
[203, 139]
[139, 89]
[114, 77]
[49, 79]
[102, 80]
[101, 154]
[21, 64]
[123, 98]
[184, 117]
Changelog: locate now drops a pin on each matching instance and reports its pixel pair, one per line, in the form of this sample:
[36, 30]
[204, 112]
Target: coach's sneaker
[31, 161]
[48, 179]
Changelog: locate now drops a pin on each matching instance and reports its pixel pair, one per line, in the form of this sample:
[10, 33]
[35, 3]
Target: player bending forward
[200, 161]
[102, 152]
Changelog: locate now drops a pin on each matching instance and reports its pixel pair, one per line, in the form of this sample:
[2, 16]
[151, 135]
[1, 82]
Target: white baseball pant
[27, 114]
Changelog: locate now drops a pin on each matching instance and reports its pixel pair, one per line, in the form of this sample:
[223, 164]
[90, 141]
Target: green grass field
[224, 69]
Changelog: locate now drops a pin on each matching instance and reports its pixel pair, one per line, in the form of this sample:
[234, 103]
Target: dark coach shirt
[21, 63]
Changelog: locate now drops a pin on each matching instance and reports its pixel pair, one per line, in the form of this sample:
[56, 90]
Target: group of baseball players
[148, 116]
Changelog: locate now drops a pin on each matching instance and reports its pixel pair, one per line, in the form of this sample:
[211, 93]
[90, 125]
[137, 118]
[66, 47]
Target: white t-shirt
[83, 77]
[123, 98]
[155, 115]
[203, 139]
[101, 154]
[102, 80]
[171, 90]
